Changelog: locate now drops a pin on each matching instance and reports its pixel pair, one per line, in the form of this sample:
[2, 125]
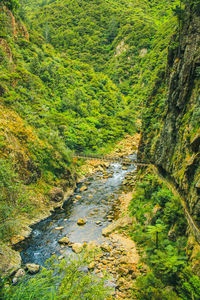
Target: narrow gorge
[102, 78]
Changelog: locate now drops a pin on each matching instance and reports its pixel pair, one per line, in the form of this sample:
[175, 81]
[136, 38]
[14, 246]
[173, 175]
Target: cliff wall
[171, 121]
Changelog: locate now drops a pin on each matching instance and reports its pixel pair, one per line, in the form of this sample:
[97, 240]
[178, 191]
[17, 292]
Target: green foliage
[79, 78]
[63, 280]
[151, 287]
[13, 199]
[188, 285]
[11, 4]
[158, 212]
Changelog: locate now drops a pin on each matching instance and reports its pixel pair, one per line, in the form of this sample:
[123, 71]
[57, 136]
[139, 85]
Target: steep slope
[72, 75]
[171, 138]
[127, 40]
[50, 103]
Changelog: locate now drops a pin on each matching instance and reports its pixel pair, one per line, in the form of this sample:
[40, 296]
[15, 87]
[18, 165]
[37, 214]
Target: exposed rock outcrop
[174, 148]
[56, 194]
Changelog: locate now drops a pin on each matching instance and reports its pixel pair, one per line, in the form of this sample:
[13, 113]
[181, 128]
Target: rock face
[56, 194]
[174, 147]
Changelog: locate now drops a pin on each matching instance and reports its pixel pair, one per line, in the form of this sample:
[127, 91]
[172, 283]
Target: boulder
[77, 247]
[32, 268]
[64, 240]
[81, 222]
[83, 188]
[17, 239]
[56, 194]
[98, 222]
[20, 273]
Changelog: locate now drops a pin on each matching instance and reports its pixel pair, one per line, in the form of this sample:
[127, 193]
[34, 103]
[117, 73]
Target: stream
[95, 205]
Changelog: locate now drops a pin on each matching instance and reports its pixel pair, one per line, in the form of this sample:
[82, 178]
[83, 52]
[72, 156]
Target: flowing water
[95, 206]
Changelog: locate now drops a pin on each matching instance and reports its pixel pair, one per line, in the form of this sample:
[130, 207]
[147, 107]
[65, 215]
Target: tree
[11, 4]
[155, 230]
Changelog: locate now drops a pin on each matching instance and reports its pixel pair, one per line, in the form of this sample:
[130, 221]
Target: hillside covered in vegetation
[78, 76]
[72, 78]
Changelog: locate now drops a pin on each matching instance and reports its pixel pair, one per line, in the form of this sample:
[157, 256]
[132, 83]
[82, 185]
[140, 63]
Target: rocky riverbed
[94, 217]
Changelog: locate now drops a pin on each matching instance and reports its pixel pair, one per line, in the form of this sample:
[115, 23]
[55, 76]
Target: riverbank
[124, 148]
[121, 258]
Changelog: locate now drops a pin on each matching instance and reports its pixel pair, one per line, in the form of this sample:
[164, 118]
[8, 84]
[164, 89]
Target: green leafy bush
[64, 280]
[13, 198]
[157, 212]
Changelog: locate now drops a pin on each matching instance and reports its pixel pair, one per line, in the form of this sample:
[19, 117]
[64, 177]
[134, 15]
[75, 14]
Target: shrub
[66, 279]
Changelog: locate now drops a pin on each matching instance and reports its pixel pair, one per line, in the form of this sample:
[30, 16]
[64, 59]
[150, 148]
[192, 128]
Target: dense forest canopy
[77, 76]
[74, 75]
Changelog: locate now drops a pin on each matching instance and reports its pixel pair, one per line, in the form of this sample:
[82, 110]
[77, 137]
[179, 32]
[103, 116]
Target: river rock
[81, 222]
[123, 271]
[64, 240]
[98, 222]
[105, 247]
[120, 281]
[83, 188]
[77, 247]
[56, 194]
[59, 228]
[15, 280]
[91, 266]
[32, 268]
[123, 260]
[20, 273]
[17, 239]
[61, 257]
[124, 168]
